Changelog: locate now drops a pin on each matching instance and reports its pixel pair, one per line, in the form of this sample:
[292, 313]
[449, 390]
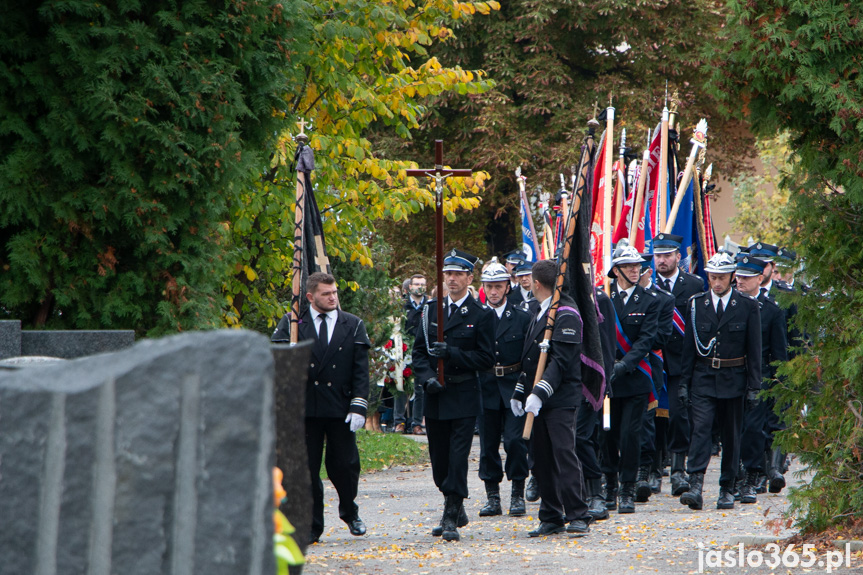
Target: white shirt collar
[715, 299]
[766, 287]
[625, 293]
[543, 306]
[524, 293]
[673, 279]
[328, 315]
[459, 302]
[499, 310]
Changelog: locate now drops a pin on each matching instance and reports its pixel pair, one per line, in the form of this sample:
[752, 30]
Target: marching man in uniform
[721, 366]
[452, 405]
[498, 384]
[337, 392]
[553, 401]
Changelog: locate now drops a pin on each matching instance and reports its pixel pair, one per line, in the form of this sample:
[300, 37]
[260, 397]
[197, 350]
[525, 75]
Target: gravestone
[155, 459]
[66, 344]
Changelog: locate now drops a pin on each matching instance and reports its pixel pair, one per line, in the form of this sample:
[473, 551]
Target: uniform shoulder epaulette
[651, 292]
[698, 295]
[782, 286]
[753, 298]
[522, 306]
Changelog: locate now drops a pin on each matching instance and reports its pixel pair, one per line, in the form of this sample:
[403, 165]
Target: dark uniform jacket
[413, 315]
[516, 298]
[685, 286]
[606, 330]
[509, 333]
[560, 385]
[794, 337]
[469, 333]
[774, 344]
[639, 319]
[737, 335]
[338, 382]
[665, 327]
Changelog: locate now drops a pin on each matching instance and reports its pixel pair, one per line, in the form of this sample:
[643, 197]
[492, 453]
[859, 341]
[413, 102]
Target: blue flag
[528, 241]
[683, 226]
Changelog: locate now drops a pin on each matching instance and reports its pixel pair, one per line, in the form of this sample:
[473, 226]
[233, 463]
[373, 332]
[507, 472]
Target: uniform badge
[635, 297]
[706, 302]
[507, 313]
[464, 310]
[733, 302]
[453, 253]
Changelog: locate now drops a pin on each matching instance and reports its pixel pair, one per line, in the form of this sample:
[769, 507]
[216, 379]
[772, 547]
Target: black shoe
[693, 498]
[642, 487]
[357, 527]
[546, 528]
[627, 505]
[579, 527]
[715, 448]
[532, 491]
[596, 504]
[611, 488]
[776, 470]
[761, 484]
[314, 538]
[747, 490]
[463, 520]
[516, 499]
[452, 510]
[655, 481]
[492, 506]
[679, 482]
[726, 498]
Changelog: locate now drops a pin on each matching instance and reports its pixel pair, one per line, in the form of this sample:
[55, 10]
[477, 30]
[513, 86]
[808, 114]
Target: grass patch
[384, 450]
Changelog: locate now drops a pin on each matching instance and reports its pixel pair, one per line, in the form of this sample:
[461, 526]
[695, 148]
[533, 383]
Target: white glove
[533, 404]
[355, 420]
[517, 407]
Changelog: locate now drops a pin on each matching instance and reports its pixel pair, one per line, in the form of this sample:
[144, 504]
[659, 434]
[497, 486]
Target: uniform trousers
[622, 447]
[343, 466]
[754, 437]
[678, 418]
[497, 424]
[586, 445]
[556, 466]
[449, 447]
[649, 455]
[729, 415]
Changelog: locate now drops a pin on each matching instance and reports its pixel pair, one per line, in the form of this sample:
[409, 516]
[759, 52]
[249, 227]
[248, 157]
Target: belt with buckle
[502, 370]
[717, 363]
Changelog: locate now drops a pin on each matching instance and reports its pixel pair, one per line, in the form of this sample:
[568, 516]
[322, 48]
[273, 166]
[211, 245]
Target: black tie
[452, 308]
[719, 310]
[323, 334]
[667, 284]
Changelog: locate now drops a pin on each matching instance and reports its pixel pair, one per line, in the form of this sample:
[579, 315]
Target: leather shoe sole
[357, 527]
[578, 527]
[545, 529]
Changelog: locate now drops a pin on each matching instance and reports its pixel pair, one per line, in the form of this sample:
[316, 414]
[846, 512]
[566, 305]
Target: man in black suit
[649, 479]
[721, 366]
[415, 299]
[498, 384]
[637, 322]
[453, 404]
[669, 277]
[553, 401]
[773, 348]
[337, 393]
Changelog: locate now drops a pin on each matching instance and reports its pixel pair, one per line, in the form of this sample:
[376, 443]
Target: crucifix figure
[439, 173]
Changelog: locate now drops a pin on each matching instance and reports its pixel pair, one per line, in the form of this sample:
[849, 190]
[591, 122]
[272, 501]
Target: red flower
[407, 372]
[404, 347]
[388, 345]
[391, 367]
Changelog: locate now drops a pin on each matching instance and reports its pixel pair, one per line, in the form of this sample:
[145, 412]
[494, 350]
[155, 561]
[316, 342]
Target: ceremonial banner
[684, 226]
[651, 213]
[528, 241]
[622, 226]
[597, 224]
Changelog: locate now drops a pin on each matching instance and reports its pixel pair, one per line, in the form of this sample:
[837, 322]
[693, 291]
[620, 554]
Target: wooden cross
[439, 173]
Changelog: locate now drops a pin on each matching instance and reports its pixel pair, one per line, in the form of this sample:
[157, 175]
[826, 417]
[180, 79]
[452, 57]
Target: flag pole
[299, 223]
[699, 140]
[606, 211]
[662, 180]
[586, 153]
[639, 193]
[621, 182]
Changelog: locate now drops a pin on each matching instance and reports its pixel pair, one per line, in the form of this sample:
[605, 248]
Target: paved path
[401, 505]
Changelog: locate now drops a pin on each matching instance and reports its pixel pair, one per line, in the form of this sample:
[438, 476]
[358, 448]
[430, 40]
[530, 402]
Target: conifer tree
[125, 129]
